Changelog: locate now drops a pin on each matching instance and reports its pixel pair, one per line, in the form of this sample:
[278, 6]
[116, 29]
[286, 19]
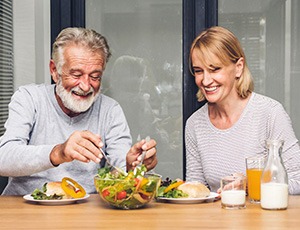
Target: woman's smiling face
[216, 81]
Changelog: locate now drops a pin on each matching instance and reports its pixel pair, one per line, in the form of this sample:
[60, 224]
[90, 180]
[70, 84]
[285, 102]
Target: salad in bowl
[127, 191]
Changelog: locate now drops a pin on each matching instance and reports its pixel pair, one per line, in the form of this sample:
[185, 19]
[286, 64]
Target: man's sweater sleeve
[17, 158]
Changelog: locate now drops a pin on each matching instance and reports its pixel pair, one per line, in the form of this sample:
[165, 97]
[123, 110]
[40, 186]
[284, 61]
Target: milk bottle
[274, 181]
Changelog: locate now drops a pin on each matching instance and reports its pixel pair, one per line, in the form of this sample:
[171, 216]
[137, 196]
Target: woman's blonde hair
[223, 44]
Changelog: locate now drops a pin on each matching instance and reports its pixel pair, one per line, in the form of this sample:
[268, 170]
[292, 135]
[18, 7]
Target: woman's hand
[133, 157]
[236, 183]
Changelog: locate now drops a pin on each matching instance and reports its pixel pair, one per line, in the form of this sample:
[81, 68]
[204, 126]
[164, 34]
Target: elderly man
[54, 131]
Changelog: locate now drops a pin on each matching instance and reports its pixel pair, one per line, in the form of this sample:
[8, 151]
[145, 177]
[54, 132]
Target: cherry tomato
[121, 195]
[105, 193]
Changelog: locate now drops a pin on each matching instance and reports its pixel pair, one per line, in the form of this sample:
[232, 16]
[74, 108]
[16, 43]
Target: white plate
[55, 202]
[210, 198]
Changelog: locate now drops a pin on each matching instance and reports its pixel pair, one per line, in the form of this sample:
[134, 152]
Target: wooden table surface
[16, 213]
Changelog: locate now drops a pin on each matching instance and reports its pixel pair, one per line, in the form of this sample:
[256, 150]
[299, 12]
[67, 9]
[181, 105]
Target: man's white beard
[68, 100]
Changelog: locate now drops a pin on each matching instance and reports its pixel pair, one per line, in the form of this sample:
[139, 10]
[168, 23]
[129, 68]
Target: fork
[144, 152]
[111, 165]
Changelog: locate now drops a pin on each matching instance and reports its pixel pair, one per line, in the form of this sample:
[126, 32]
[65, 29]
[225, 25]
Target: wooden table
[16, 213]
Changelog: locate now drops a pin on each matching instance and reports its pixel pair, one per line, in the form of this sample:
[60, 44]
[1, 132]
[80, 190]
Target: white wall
[31, 20]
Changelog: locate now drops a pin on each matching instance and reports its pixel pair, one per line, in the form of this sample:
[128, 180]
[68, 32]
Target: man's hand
[81, 145]
[133, 157]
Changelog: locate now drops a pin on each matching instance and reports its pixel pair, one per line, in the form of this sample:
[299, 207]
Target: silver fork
[144, 152]
[147, 139]
[111, 165]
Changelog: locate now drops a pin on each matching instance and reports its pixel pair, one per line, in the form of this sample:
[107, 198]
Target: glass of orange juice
[255, 165]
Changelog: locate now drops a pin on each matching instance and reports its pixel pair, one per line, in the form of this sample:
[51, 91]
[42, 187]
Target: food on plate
[72, 188]
[130, 191]
[194, 189]
[58, 190]
[181, 189]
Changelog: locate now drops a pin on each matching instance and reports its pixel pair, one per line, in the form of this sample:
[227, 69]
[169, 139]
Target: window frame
[67, 13]
[197, 16]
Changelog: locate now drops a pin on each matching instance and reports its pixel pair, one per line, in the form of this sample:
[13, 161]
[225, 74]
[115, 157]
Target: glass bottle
[274, 180]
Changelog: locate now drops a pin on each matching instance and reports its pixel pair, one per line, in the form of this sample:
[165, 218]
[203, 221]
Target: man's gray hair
[88, 38]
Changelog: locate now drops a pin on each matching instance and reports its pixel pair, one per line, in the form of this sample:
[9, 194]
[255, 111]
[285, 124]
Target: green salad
[127, 191]
[168, 189]
[38, 194]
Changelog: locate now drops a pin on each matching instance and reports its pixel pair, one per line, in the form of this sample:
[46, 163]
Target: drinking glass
[255, 165]
[233, 192]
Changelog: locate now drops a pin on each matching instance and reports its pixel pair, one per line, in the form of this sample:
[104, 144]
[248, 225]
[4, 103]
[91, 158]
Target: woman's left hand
[236, 183]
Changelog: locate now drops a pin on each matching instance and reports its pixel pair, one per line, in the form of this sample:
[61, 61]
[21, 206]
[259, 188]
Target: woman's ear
[239, 67]
[53, 71]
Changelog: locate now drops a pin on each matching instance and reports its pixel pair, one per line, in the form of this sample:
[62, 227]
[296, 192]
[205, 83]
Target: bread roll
[55, 188]
[194, 189]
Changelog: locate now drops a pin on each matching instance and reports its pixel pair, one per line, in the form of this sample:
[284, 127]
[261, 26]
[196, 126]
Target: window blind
[6, 59]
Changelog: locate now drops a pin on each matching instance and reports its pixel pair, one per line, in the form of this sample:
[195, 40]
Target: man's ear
[239, 67]
[53, 71]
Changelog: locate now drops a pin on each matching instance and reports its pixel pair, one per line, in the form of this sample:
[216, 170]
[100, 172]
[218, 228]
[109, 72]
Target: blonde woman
[235, 121]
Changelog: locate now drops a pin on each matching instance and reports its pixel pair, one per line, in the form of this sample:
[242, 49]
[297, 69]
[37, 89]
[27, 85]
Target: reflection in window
[145, 70]
[269, 32]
